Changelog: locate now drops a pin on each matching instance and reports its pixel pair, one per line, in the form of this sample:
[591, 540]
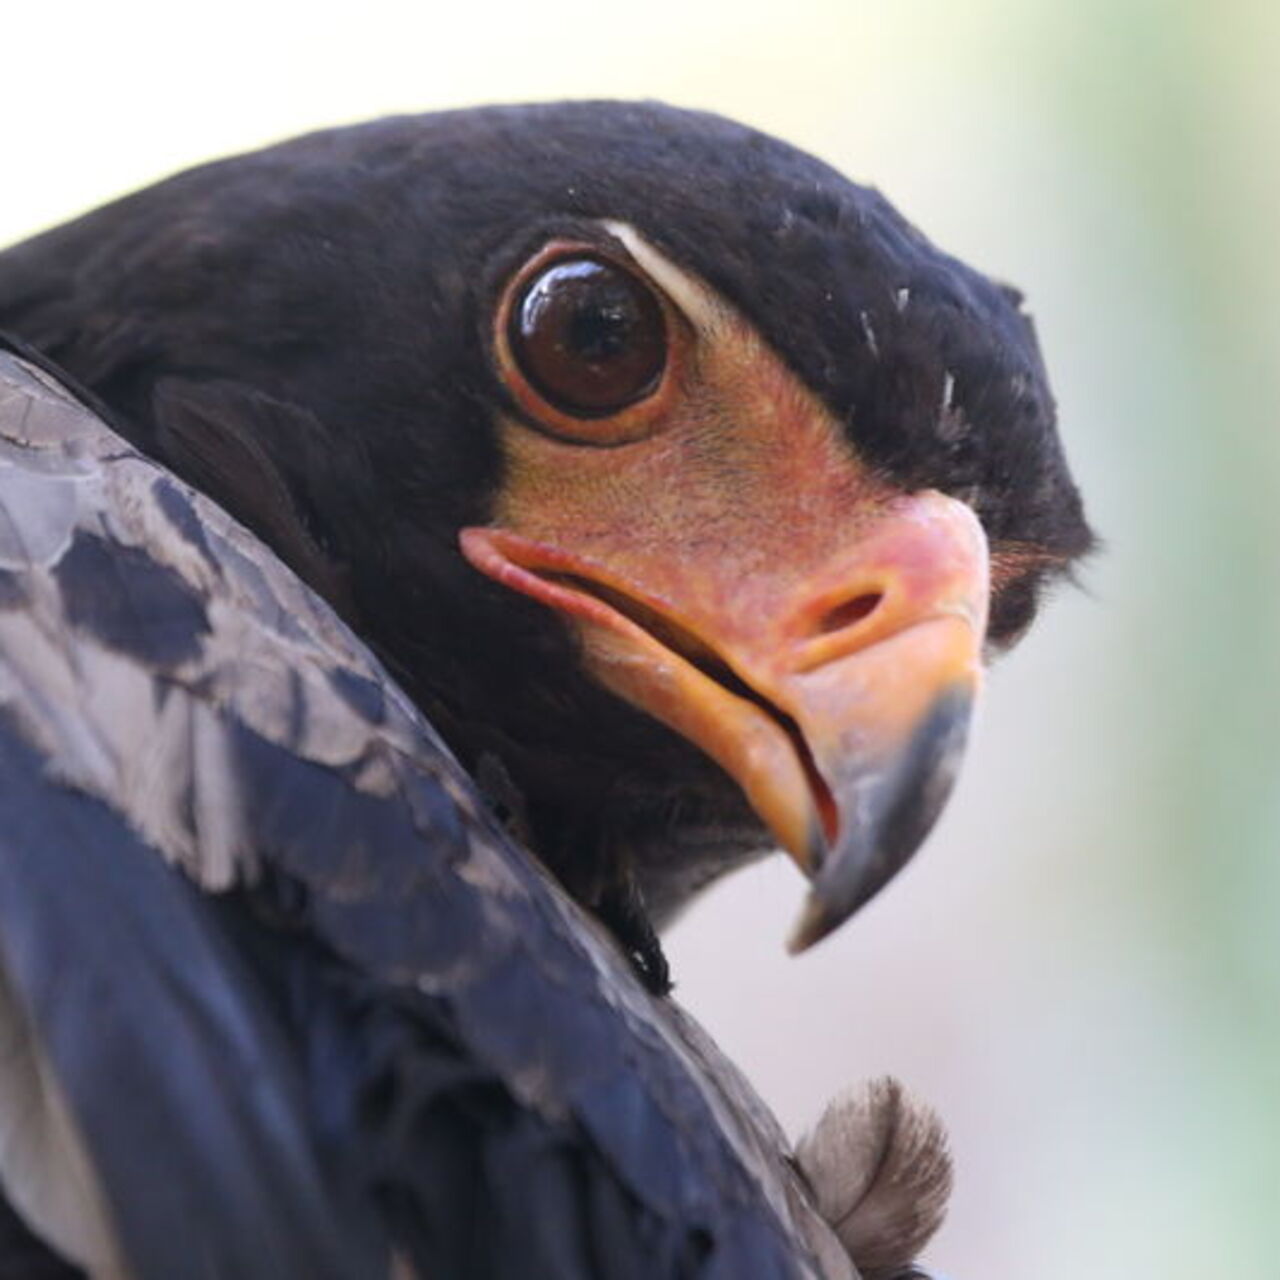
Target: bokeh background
[1082, 970]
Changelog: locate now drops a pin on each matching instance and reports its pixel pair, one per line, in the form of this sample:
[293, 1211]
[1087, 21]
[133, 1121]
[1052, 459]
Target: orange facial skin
[734, 570]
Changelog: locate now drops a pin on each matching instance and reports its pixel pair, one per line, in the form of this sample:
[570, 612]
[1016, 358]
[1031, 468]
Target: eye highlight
[589, 336]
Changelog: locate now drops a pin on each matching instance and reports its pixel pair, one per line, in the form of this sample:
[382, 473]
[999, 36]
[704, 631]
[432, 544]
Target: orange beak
[833, 680]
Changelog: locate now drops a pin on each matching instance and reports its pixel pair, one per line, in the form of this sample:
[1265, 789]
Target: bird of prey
[430, 553]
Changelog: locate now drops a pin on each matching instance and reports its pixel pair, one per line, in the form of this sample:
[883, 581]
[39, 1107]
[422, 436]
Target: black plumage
[450, 1060]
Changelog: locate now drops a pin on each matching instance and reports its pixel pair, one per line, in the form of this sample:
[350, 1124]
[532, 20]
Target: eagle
[431, 553]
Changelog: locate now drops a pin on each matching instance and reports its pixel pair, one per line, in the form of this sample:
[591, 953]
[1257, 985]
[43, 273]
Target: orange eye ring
[587, 345]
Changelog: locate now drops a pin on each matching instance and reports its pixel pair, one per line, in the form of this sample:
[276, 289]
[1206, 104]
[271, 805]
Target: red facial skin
[735, 570]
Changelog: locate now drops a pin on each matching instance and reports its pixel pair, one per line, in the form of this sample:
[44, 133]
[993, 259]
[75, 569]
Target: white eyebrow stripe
[701, 307]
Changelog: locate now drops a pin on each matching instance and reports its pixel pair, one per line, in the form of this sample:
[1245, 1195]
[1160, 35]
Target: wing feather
[278, 874]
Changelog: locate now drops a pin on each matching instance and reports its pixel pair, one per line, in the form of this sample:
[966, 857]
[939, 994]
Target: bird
[432, 552]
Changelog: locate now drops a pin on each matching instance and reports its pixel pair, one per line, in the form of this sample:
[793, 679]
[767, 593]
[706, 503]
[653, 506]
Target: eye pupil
[600, 334]
[589, 336]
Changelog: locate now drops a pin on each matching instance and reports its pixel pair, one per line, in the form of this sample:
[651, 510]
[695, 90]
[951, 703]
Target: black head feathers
[362, 260]
[305, 333]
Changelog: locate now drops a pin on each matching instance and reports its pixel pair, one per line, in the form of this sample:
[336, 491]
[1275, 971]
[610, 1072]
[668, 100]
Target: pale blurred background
[1083, 969]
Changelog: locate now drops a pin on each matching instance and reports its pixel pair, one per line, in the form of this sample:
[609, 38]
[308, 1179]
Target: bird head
[682, 482]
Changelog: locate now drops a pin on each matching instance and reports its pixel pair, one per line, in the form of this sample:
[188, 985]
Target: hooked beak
[838, 695]
[886, 807]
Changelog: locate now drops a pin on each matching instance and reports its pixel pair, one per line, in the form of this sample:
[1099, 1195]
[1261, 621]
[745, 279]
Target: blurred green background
[1083, 969]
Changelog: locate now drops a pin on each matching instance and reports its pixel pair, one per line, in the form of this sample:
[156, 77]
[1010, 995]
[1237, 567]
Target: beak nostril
[849, 612]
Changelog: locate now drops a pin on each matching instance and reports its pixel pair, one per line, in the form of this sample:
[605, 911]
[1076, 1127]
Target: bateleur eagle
[430, 553]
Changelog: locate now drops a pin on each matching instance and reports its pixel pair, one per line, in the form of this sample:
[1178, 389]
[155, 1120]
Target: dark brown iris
[589, 336]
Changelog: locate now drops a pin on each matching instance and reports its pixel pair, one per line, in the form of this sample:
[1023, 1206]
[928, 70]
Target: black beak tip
[885, 816]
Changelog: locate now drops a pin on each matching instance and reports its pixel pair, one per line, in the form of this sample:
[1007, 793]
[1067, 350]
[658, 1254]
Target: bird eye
[589, 336]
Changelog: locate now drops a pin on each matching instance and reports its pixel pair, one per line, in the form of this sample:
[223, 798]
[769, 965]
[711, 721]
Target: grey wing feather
[155, 658]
